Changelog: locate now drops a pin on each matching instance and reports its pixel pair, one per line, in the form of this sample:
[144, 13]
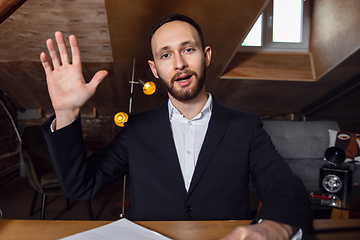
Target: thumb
[96, 80]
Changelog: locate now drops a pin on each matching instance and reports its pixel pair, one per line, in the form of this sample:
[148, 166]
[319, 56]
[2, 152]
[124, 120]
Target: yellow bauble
[120, 119]
[149, 88]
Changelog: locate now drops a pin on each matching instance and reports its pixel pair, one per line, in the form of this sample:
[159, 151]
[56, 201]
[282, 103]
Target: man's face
[179, 60]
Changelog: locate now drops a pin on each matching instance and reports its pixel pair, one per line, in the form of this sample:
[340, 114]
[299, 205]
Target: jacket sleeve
[81, 177]
[283, 194]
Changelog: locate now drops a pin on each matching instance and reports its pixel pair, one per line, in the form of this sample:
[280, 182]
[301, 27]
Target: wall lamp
[121, 118]
[149, 88]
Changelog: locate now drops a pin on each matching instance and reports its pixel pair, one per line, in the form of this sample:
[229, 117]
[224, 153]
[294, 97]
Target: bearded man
[189, 158]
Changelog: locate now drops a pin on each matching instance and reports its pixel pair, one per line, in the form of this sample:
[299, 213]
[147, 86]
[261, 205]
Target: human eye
[165, 55]
[189, 50]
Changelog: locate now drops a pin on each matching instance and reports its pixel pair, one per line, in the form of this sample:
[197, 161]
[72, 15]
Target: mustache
[176, 75]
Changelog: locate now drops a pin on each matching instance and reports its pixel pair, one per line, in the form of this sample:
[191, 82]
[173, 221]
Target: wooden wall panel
[335, 32]
[224, 24]
[23, 34]
[21, 82]
[112, 33]
[25, 84]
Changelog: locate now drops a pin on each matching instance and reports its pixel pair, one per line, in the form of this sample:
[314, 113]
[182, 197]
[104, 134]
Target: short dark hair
[177, 17]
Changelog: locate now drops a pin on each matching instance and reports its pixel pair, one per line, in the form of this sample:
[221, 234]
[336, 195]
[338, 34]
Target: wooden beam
[95, 113]
[283, 66]
[42, 113]
[8, 7]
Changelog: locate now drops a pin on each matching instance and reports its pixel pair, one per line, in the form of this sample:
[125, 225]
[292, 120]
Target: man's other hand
[266, 230]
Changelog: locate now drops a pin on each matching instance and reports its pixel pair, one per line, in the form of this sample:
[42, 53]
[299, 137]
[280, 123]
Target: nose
[180, 63]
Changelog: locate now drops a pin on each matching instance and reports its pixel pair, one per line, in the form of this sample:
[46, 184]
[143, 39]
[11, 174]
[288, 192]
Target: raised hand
[66, 84]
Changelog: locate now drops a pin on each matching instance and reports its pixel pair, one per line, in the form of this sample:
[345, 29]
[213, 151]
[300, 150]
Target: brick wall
[9, 142]
[97, 132]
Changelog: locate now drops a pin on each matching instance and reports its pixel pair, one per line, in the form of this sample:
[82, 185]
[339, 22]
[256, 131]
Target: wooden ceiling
[112, 33]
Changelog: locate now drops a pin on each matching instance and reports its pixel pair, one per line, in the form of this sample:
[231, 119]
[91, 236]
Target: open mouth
[183, 77]
[184, 80]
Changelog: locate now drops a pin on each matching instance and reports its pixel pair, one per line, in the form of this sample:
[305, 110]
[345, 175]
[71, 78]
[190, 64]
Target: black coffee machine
[334, 176]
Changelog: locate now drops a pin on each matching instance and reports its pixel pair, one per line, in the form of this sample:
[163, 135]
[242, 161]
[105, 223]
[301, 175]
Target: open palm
[66, 84]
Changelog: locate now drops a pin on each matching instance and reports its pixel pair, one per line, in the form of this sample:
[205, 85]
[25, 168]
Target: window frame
[269, 45]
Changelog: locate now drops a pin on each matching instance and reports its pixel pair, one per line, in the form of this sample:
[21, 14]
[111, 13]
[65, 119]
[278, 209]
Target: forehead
[174, 33]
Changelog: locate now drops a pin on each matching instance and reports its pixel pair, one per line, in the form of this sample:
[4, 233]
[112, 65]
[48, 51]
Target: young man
[189, 158]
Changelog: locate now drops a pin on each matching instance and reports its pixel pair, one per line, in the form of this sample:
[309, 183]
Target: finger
[62, 48]
[45, 63]
[75, 50]
[96, 80]
[53, 54]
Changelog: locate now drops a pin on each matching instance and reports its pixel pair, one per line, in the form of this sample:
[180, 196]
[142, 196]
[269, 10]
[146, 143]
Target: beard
[190, 92]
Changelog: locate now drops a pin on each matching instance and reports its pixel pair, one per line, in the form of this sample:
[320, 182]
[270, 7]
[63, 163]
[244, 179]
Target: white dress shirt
[189, 136]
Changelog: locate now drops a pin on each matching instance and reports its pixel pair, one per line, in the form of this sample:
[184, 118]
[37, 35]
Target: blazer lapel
[159, 120]
[216, 129]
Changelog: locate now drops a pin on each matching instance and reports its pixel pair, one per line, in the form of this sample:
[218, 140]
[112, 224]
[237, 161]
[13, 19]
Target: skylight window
[283, 26]
[287, 21]
[254, 38]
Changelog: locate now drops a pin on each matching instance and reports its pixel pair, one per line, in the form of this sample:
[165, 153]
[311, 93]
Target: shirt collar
[206, 111]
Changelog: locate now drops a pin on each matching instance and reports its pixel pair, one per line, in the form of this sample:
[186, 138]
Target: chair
[39, 169]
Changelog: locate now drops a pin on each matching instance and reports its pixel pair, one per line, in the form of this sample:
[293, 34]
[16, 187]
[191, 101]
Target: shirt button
[188, 209]
[190, 123]
[188, 152]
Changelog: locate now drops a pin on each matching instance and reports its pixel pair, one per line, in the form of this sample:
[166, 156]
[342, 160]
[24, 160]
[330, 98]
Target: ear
[207, 55]
[153, 68]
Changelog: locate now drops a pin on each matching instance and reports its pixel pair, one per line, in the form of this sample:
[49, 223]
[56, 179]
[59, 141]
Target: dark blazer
[235, 145]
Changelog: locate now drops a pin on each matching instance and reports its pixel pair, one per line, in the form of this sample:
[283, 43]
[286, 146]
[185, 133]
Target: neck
[190, 108]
